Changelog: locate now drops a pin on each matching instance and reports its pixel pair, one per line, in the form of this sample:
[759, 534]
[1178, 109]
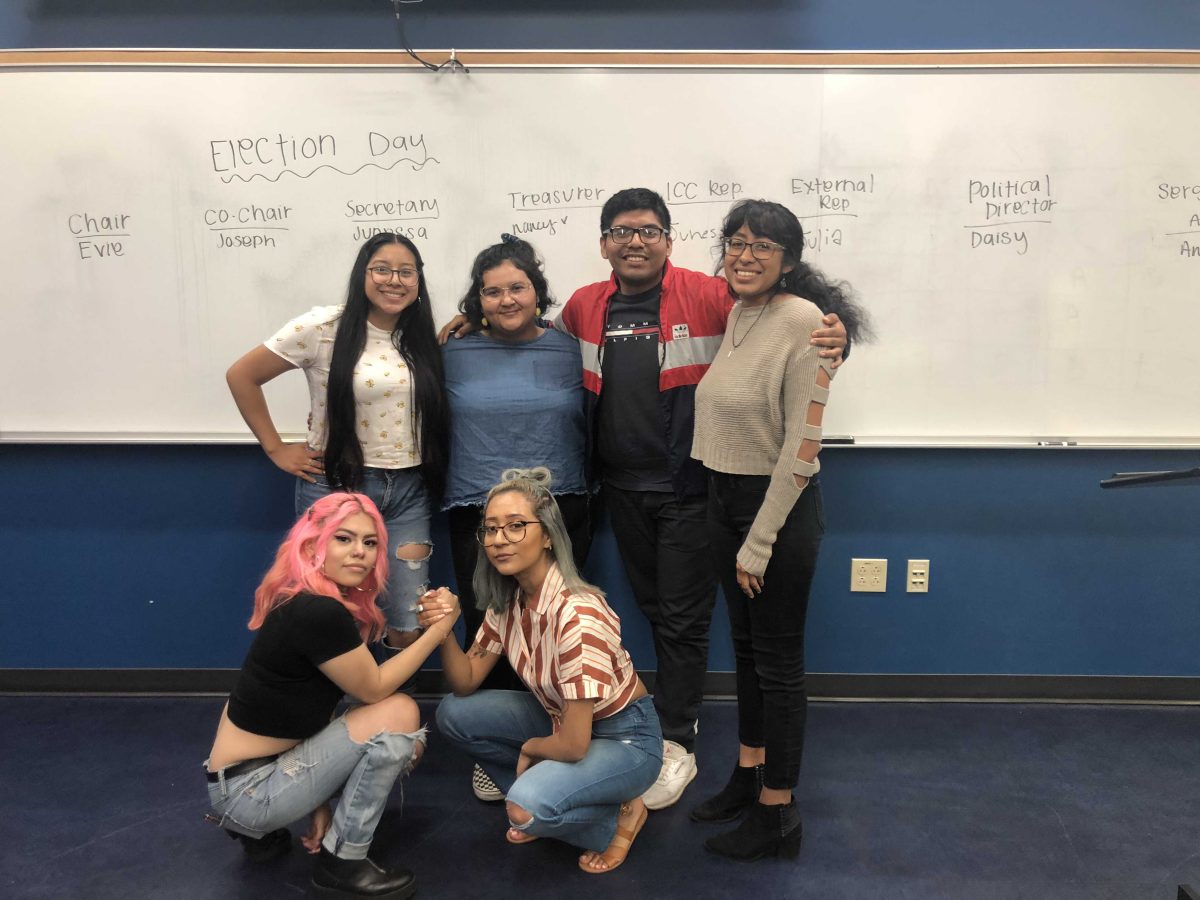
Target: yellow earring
[538, 310]
[483, 321]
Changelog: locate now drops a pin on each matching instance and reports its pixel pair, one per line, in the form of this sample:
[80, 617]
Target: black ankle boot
[773, 830]
[335, 878]
[735, 798]
[271, 845]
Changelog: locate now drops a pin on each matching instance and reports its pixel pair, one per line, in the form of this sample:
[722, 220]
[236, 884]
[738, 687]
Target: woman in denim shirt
[516, 398]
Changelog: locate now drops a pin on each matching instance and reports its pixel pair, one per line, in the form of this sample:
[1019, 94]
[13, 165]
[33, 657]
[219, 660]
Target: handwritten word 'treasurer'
[558, 198]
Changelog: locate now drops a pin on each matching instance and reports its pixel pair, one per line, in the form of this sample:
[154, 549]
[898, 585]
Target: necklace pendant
[729, 354]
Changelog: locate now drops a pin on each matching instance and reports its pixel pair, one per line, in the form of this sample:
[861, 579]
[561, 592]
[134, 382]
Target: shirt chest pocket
[552, 375]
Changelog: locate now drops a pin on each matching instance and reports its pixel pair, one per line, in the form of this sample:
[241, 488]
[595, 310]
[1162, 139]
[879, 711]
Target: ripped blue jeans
[576, 802]
[301, 779]
[404, 504]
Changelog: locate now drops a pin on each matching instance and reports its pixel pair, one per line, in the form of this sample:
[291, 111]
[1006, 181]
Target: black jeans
[768, 630]
[663, 543]
[578, 512]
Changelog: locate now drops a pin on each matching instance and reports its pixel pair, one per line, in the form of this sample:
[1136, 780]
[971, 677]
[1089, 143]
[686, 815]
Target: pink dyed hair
[300, 564]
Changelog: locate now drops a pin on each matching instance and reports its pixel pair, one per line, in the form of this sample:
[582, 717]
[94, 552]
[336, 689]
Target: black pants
[578, 515]
[663, 543]
[768, 630]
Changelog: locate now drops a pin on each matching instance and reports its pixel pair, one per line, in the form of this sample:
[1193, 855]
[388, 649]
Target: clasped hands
[434, 606]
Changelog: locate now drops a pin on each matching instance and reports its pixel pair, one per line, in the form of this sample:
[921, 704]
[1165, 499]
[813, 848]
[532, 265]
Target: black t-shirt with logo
[632, 440]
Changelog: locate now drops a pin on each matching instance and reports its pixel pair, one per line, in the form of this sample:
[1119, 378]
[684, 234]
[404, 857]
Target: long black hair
[415, 339]
[513, 250]
[776, 222]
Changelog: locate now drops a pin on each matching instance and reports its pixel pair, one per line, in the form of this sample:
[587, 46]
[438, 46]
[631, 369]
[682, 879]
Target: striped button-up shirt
[564, 646]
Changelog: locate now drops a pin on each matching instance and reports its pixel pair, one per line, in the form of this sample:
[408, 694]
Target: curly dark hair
[776, 222]
[513, 250]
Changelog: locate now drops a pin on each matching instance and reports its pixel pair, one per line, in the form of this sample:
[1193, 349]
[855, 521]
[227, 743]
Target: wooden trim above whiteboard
[958, 59]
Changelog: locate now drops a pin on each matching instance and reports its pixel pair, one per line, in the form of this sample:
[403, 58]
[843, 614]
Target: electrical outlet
[918, 576]
[868, 575]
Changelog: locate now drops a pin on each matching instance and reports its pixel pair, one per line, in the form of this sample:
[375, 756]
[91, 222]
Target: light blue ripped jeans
[576, 802]
[404, 504]
[301, 779]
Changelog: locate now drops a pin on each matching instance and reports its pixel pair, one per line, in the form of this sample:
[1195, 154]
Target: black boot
[735, 798]
[271, 845]
[773, 830]
[335, 878]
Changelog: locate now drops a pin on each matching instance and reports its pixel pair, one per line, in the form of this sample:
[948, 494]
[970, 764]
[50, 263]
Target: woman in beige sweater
[758, 432]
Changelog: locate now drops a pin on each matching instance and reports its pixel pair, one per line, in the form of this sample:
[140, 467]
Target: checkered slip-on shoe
[483, 786]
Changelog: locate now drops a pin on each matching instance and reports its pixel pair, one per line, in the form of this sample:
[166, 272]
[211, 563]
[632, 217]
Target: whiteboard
[1027, 241]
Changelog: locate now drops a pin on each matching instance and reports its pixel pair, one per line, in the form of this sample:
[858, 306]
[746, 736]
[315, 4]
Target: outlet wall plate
[918, 576]
[868, 575]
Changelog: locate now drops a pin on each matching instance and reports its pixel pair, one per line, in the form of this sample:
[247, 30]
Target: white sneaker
[678, 770]
[483, 786]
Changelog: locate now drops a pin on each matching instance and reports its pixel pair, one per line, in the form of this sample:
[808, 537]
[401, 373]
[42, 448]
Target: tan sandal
[616, 852]
[515, 836]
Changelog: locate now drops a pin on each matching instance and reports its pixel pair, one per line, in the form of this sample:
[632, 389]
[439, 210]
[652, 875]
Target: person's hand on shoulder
[459, 326]
[831, 339]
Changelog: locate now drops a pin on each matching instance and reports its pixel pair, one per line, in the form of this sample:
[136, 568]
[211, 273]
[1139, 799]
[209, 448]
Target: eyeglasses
[383, 274]
[514, 532]
[516, 291]
[651, 234]
[760, 250]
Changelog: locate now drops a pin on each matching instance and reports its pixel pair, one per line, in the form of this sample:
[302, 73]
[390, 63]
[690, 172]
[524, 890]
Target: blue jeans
[404, 504]
[574, 802]
[301, 779]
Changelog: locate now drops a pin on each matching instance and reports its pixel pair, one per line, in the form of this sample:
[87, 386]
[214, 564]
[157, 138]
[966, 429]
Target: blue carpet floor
[104, 797]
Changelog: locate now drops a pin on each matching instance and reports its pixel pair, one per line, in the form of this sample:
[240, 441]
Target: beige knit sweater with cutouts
[751, 407]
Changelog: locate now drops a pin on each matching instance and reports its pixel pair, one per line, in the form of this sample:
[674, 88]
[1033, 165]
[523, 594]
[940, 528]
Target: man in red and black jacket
[647, 336]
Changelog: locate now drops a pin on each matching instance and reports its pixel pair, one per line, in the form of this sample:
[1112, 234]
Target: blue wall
[615, 24]
[145, 556]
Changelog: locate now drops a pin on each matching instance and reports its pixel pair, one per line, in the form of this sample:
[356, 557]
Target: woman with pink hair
[277, 755]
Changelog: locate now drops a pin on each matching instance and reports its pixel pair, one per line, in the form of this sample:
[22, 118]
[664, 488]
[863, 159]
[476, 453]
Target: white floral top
[383, 387]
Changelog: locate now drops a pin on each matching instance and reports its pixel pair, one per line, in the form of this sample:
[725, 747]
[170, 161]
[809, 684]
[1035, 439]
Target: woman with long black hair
[378, 419]
[758, 431]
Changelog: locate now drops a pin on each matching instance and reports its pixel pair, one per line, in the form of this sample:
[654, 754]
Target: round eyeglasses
[514, 532]
[760, 250]
[383, 274]
[620, 234]
[518, 291]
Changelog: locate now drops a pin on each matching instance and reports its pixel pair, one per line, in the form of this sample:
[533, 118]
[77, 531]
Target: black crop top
[280, 692]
